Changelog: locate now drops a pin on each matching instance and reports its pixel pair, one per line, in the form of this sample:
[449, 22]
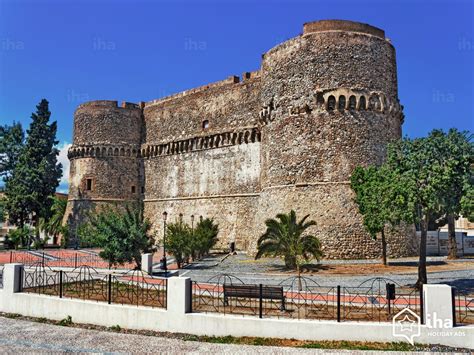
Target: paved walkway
[19, 336]
[263, 272]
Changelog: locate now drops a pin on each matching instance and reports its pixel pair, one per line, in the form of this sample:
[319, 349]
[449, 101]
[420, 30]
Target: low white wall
[174, 319]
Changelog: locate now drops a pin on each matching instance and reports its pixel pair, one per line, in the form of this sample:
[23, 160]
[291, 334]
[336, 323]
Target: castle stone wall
[221, 171]
[286, 136]
[226, 105]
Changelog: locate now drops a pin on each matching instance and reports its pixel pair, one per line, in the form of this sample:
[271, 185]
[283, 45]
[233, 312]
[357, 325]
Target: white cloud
[63, 159]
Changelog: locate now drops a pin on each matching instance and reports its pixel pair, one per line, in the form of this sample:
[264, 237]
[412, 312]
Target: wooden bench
[253, 291]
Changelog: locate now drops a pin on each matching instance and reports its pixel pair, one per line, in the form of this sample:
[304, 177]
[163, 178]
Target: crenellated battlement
[103, 150]
[211, 141]
[108, 104]
[342, 25]
[231, 80]
[346, 99]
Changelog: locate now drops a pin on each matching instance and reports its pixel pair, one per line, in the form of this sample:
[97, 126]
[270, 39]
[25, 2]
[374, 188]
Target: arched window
[362, 103]
[331, 103]
[320, 98]
[352, 102]
[374, 102]
[342, 103]
[205, 124]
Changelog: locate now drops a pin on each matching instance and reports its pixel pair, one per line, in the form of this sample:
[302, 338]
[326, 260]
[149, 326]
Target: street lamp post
[192, 233]
[163, 259]
[30, 216]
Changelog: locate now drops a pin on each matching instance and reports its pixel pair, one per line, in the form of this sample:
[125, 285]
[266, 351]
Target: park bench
[253, 291]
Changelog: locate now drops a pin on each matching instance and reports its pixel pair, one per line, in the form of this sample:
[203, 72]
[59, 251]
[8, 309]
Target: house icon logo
[406, 324]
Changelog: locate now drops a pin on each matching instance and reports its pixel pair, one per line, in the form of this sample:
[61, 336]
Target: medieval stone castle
[241, 150]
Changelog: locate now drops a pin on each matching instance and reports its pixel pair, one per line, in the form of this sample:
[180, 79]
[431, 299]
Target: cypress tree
[36, 175]
[11, 145]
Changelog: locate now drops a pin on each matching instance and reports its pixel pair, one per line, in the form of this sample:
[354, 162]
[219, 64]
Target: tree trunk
[290, 262]
[300, 286]
[384, 248]
[453, 248]
[422, 277]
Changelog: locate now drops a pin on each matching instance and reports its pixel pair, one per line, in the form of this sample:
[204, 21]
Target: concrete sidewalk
[19, 336]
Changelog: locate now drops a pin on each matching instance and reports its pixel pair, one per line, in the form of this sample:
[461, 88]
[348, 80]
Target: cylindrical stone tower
[105, 165]
[329, 103]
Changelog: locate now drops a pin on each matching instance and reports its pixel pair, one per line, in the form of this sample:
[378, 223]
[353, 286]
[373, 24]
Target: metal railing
[86, 283]
[463, 307]
[304, 298]
[62, 258]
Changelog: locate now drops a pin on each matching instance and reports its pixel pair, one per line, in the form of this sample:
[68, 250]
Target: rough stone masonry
[286, 136]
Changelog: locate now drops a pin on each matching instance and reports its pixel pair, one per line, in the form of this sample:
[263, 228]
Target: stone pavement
[20, 336]
[271, 271]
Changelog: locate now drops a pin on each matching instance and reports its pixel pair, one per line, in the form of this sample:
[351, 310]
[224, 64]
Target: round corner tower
[105, 166]
[329, 104]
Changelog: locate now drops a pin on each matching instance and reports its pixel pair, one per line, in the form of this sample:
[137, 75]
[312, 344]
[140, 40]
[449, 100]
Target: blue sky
[74, 51]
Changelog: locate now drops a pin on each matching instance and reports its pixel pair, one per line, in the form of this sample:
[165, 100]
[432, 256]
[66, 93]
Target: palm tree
[285, 237]
[53, 226]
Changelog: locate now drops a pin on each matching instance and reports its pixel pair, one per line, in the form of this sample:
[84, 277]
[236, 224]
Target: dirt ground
[391, 268]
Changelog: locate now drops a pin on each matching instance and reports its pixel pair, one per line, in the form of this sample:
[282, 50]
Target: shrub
[19, 237]
[204, 237]
[122, 234]
[184, 243]
[178, 241]
[66, 321]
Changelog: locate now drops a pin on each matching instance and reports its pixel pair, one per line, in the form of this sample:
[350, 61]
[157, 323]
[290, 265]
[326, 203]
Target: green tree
[204, 237]
[457, 157]
[123, 234]
[53, 226]
[373, 192]
[36, 173]
[467, 201]
[419, 179]
[11, 144]
[2, 210]
[19, 237]
[286, 237]
[179, 241]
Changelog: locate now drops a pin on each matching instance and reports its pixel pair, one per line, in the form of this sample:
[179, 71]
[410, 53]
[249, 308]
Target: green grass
[66, 322]
[348, 345]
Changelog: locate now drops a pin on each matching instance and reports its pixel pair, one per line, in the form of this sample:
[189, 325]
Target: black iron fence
[1, 276]
[86, 283]
[377, 299]
[62, 258]
[463, 307]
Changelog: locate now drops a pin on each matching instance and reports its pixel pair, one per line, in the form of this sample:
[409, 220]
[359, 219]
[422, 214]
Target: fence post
[11, 256]
[60, 284]
[42, 259]
[110, 289]
[190, 297]
[453, 299]
[422, 306]
[438, 305]
[338, 303]
[260, 300]
[75, 260]
[13, 278]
